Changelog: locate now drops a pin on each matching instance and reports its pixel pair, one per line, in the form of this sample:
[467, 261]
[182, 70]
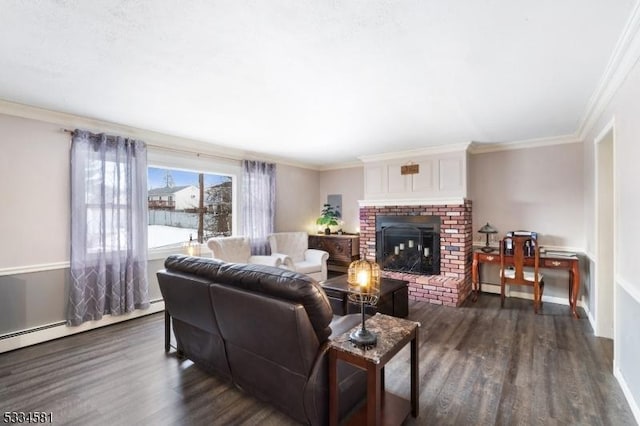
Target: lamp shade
[364, 280]
[364, 288]
[488, 229]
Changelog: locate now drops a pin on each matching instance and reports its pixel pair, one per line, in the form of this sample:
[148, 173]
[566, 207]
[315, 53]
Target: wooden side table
[394, 297]
[382, 407]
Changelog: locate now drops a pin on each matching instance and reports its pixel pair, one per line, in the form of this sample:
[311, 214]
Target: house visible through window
[187, 204]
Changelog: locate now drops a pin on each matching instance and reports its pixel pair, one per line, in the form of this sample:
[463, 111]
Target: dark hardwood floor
[479, 365]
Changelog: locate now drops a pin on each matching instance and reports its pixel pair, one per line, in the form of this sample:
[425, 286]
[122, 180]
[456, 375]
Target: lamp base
[362, 337]
[487, 249]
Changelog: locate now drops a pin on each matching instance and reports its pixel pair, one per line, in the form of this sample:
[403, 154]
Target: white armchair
[293, 249]
[238, 250]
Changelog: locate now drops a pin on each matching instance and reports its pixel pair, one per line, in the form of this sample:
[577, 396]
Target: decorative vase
[327, 231]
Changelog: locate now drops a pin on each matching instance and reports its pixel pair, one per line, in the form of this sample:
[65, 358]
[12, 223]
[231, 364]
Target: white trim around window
[199, 163]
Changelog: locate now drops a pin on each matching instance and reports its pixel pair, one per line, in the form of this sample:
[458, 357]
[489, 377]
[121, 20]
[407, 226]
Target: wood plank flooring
[479, 365]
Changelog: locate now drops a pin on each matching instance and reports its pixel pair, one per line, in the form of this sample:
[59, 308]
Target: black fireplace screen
[409, 244]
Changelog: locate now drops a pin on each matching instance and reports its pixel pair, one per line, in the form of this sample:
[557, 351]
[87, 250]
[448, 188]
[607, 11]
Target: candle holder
[193, 247]
[364, 288]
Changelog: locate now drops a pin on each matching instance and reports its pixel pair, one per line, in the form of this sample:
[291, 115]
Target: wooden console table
[569, 263]
[381, 408]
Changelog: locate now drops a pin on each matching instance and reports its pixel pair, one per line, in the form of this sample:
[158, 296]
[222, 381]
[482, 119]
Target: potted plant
[328, 217]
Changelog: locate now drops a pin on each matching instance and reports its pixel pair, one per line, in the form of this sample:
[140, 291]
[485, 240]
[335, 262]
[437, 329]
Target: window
[106, 209]
[187, 205]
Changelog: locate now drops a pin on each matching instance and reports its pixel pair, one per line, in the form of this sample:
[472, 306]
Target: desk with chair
[548, 261]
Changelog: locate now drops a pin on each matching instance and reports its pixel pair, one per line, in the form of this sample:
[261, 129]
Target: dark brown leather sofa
[264, 329]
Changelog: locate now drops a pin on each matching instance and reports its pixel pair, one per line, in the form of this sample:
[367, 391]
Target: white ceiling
[314, 81]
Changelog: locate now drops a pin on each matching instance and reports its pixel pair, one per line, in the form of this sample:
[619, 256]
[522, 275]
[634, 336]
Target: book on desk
[553, 253]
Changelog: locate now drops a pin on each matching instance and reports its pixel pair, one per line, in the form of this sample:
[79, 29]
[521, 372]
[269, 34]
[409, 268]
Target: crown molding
[482, 147]
[624, 57]
[159, 140]
[437, 149]
[153, 139]
[339, 166]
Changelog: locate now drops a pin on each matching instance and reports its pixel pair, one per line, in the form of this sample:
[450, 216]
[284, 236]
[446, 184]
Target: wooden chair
[520, 268]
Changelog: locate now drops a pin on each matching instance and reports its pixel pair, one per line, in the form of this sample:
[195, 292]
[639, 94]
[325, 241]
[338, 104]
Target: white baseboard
[633, 404]
[490, 288]
[495, 288]
[43, 333]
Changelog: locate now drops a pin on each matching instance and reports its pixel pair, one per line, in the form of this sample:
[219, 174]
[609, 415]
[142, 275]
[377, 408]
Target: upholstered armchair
[238, 250]
[293, 249]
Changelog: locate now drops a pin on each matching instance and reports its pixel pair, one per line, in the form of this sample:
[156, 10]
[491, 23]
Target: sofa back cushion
[271, 345]
[276, 283]
[187, 300]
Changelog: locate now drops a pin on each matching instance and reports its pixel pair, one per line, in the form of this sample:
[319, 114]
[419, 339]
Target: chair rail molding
[41, 267]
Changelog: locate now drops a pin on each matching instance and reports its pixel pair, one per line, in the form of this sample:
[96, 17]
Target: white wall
[348, 182]
[623, 110]
[296, 199]
[34, 186]
[538, 189]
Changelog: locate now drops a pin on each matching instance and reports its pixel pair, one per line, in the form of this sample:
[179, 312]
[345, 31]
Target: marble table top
[390, 331]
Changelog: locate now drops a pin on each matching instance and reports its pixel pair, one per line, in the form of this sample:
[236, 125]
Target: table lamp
[364, 288]
[487, 229]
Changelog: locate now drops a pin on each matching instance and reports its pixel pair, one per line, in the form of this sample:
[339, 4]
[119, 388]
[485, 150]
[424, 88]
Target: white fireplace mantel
[437, 178]
[411, 202]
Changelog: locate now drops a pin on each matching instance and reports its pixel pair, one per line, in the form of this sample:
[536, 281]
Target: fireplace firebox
[408, 244]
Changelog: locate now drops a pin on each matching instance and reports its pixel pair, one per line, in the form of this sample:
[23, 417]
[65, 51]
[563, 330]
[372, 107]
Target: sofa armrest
[266, 260]
[286, 261]
[352, 381]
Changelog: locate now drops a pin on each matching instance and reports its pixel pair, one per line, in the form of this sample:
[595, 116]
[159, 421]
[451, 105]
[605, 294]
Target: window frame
[198, 163]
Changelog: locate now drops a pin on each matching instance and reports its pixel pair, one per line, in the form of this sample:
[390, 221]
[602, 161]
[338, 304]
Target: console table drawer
[555, 263]
[489, 257]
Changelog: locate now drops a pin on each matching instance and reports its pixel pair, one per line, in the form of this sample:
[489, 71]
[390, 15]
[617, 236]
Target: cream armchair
[238, 250]
[293, 249]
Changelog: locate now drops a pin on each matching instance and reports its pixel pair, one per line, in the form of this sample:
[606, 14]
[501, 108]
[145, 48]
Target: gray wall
[36, 299]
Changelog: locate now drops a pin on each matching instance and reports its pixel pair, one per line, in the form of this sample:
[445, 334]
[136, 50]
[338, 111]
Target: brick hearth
[453, 285]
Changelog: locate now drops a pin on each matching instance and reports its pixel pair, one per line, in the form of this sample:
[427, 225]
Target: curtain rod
[177, 150]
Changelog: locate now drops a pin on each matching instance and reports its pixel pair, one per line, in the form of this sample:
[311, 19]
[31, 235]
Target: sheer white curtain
[108, 227]
[259, 203]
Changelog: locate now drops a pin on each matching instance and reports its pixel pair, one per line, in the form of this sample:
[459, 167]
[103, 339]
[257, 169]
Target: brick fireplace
[452, 286]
